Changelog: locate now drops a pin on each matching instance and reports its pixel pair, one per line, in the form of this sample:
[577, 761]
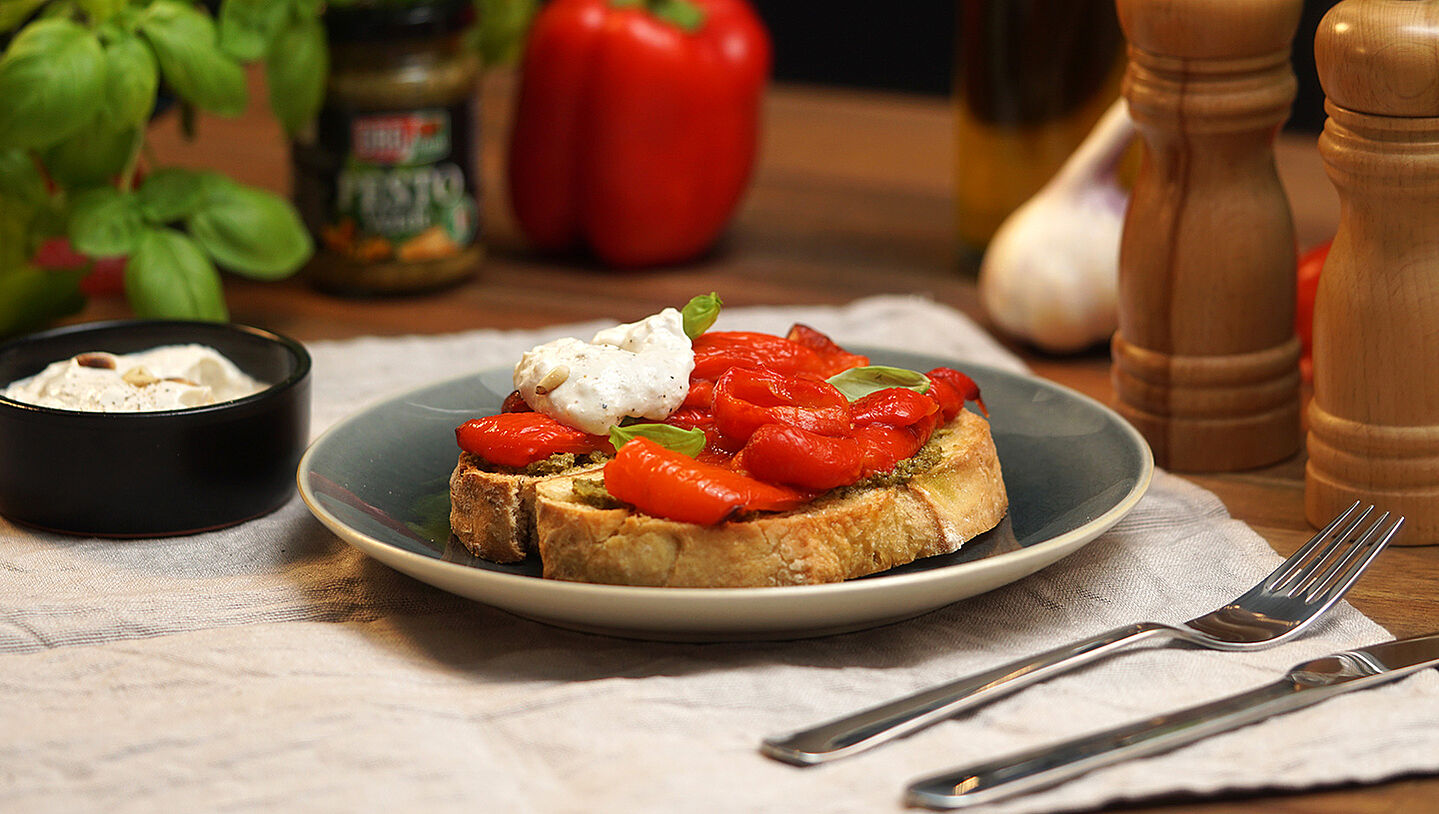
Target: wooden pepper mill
[1374, 419]
[1205, 362]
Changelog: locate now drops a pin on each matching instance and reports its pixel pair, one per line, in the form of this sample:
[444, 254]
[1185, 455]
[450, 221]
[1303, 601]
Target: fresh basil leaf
[308, 8]
[185, 44]
[98, 11]
[170, 194]
[501, 27]
[247, 27]
[94, 156]
[685, 442]
[51, 80]
[295, 69]
[250, 231]
[15, 217]
[858, 382]
[105, 222]
[15, 12]
[31, 298]
[169, 277]
[21, 179]
[700, 313]
[131, 77]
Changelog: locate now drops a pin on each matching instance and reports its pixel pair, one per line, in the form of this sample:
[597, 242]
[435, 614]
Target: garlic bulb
[1050, 275]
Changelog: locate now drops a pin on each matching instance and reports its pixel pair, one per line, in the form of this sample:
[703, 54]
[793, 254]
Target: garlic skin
[1050, 276]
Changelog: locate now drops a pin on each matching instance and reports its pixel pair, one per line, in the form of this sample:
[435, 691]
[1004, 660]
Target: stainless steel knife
[1306, 684]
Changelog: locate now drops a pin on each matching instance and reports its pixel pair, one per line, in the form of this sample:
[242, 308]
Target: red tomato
[779, 453]
[962, 384]
[894, 406]
[1311, 263]
[519, 439]
[665, 483]
[838, 358]
[718, 351]
[515, 403]
[745, 399]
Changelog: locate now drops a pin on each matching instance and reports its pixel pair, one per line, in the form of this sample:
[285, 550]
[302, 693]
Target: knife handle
[1053, 764]
[871, 727]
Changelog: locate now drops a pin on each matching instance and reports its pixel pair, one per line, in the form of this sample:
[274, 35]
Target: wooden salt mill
[1374, 419]
[1205, 362]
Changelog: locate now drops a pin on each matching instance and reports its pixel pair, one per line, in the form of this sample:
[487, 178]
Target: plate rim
[1074, 538]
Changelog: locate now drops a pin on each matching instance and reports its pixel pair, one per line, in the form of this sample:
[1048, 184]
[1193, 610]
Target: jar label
[404, 186]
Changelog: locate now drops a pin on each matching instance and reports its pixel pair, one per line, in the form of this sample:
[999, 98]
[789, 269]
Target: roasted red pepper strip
[636, 125]
[718, 351]
[520, 439]
[950, 402]
[894, 406]
[837, 358]
[779, 453]
[700, 396]
[515, 403]
[962, 384]
[664, 483]
[745, 399]
[883, 446]
[718, 448]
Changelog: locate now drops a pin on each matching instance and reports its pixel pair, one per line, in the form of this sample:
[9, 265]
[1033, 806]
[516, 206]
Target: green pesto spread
[563, 462]
[927, 458]
[592, 492]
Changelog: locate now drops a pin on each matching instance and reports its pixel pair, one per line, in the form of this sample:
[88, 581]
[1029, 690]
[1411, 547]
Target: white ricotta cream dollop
[640, 369]
[170, 377]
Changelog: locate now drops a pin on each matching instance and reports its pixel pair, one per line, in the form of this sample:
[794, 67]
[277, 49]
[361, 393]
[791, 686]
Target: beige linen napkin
[272, 667]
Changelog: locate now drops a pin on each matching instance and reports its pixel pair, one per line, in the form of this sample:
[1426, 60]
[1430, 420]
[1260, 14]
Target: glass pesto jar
[387, 180]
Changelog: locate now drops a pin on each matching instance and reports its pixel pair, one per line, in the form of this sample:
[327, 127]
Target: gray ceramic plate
[379, 479]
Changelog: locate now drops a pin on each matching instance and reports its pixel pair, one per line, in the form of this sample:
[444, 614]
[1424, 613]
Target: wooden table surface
[852, 198]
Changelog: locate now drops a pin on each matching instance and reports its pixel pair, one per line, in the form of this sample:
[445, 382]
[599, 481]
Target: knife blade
[1304, 685]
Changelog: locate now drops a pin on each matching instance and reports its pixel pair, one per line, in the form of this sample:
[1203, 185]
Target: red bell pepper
[637, 125]
[1307, 271]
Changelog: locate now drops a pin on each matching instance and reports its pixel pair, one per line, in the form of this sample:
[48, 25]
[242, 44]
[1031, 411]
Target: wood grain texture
[1205, 360]
[852, 198]
[1374, 420]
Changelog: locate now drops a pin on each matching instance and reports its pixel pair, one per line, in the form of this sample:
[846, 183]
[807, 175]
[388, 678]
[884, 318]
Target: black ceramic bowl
[156, 473]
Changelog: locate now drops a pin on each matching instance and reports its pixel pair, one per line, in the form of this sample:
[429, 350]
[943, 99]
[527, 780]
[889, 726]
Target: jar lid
[375, 20]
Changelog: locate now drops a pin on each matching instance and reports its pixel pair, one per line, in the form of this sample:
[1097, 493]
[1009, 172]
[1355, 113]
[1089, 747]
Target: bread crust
[845, 534]
[491, 512]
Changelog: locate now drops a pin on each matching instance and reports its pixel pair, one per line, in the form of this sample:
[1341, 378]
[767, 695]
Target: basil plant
[79, 82]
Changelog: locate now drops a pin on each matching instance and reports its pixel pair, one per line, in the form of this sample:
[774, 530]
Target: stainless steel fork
[1279, 608]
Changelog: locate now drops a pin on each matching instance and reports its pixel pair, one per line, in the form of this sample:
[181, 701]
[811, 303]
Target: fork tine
[1316, 577]
[1299, 565]
[1338, 581]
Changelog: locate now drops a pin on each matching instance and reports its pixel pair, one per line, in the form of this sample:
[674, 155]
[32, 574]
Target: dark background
[909, 46]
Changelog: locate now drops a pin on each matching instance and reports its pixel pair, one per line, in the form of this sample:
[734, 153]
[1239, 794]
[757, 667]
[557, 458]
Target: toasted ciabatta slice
[957, 494]
[492, 509]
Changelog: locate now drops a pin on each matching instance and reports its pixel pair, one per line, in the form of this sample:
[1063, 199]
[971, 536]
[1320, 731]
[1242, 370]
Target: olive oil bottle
[1031, 79]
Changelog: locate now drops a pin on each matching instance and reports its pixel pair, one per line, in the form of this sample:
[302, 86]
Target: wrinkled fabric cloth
[270, 665]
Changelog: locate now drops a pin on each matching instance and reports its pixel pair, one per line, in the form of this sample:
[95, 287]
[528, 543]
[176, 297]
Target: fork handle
[871, 727]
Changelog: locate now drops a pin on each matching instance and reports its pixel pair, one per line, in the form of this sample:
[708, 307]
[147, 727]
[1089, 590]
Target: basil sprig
[685, 442]
[858, 382]
[700, 313]
[172, 274]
